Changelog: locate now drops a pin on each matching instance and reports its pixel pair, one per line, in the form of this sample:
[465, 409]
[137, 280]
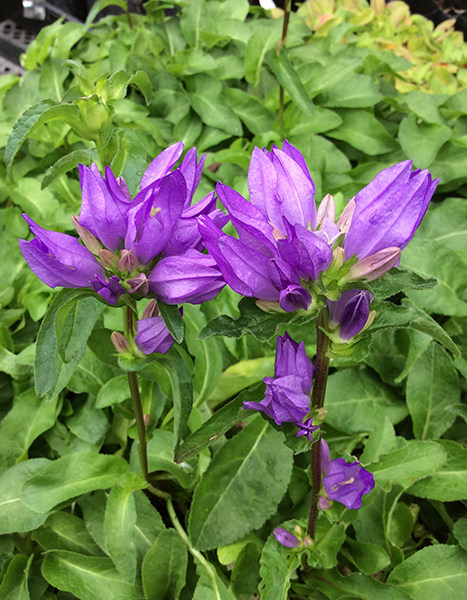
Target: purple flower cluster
[150, 244]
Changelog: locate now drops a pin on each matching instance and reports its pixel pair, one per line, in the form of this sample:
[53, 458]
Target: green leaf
[173, 320]
[329, 538]
[447, 223]
[119, 524]
[206, 100]
[14, 516]
[91, 374]
[210, 586]
[182, 391]
[245, 574]
[398, 280]
[141, 80]
[368, 558]
[422, 141]
[249, 109]
[164, 567]
[277, 566]
[241, 375]
[449, 482]
[69, 477]
[207, 353]
[355, 585]
[64, 531]
[188, 129]
[408, 464]
[380, 441]
[89, 423]
[15, 582]
[423, 105]
[262, 40]
[148, 526]
[246, 480]
[114, 391]
[252, 320]
[42, 112]
[62, 338]
[432, 387]
[422, 322]
[460, 532]
[191, 22]
[88, 577]
[450, 163]
[221, 421]
[65, 164]
[361, 130]
[357, 401]
[428, 258]
[289, 80]
[26, 421]
[352, 91]
[432, 572]
[388, 315]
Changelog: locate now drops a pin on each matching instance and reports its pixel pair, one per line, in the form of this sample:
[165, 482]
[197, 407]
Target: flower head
[347, 483]
[287, 394]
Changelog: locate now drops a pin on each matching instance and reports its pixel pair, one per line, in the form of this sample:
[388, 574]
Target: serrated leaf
[65, 164]
[431, 572]
[398, 280]
[164, 567]
[289, 80]
[221, 421]
[54, 363]
[88, 577]
[252, 320]
[69, 477]
[246, 480]
[64, 531]
[119, 524]
[173, 320]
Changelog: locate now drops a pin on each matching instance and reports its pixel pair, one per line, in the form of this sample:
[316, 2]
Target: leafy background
[365, 86]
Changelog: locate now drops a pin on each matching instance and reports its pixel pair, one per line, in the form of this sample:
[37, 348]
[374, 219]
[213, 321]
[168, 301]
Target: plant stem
[317, 401]
[283, 40]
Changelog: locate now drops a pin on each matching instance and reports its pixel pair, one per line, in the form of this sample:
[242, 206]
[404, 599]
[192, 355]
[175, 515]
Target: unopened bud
[374, 266]
[89, 240]
[107, 259]
[307, 542]
[146, 420]
[345, 219]
[151, 310]
[122, 345]
[139, 285]
[128, 262]
[326, 210]
[269, 306]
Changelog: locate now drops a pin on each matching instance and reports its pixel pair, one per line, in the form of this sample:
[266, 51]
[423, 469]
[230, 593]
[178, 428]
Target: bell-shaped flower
[347, 483]
[277, 248]
[286, 538]
[389, 210]
[287, 393]
[152, 335]
[59, 259]
[191, 277]
[350, 313]
[110, 290]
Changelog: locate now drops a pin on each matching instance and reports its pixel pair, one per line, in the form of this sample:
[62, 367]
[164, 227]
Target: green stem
[317, 401]
[195, 553]
[283, 41]
[129, 328]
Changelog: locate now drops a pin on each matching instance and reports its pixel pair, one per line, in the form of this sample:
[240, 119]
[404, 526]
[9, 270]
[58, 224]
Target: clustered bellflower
[146, 245]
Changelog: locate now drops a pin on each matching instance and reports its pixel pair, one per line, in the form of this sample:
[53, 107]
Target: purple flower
[307, 428]
[286, 538]
[59, 259]
[389, 210]
[347, 483]
[277, 249]
[153, 336]
[350, 313]
[109, 290]
[287, 394]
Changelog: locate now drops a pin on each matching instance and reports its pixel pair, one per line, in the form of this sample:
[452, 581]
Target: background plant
[209, 77]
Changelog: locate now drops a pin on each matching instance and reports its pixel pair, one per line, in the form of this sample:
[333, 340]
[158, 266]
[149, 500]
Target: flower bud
[374, 266]
[151, 310]
[128, 262]
[326, 210]
[122, 345]
[107, 259]
[146, 420]
[123, 186]
[89, 240]
[94, 113]
[287, 539]
[139, 285]
[346, 217]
